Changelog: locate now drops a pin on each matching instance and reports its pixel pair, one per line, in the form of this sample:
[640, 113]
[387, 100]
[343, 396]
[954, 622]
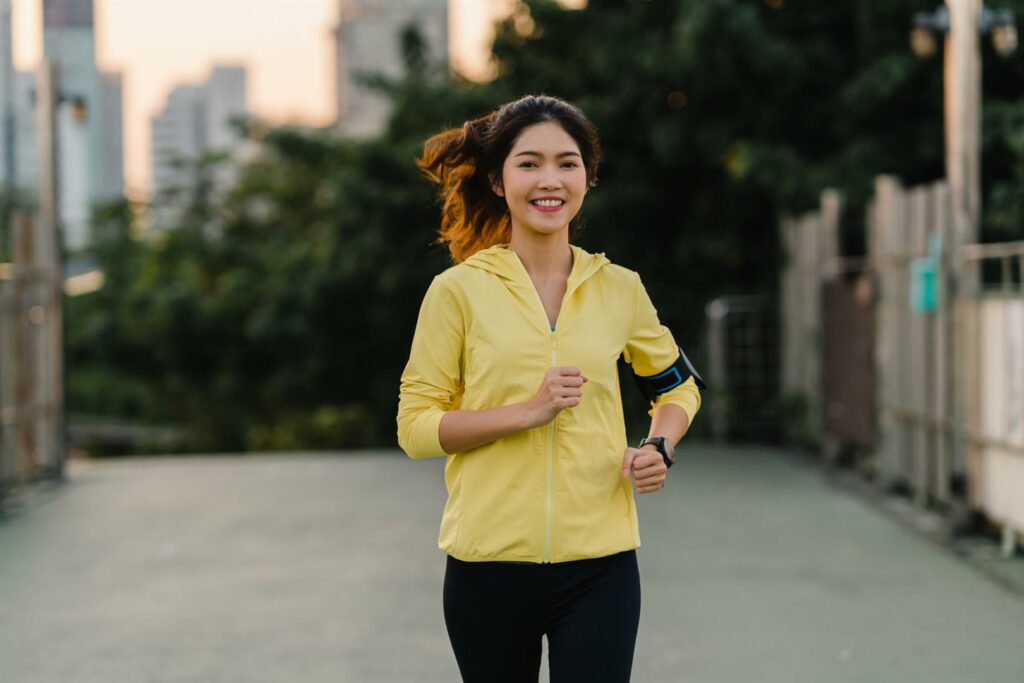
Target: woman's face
[543, 179]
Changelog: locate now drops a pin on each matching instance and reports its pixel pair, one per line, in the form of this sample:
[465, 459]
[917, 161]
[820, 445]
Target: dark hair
[463, 161]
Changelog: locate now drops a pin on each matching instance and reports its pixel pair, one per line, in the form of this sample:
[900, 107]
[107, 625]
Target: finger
[647, 463]
[569, 370]
[655, 482]
[647, 482]
[646, 459]
[651, 489]
[627, 461]
[654, 472]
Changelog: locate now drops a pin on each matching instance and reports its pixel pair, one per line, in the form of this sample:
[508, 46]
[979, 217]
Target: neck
[543, 256]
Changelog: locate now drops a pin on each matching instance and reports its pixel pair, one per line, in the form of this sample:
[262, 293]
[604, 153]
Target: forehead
[546, 137]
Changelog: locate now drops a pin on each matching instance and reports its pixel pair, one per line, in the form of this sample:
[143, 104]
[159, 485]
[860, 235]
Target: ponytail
[473, 217]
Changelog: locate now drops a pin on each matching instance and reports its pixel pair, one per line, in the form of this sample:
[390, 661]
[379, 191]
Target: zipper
[552, 426]
[551, 456]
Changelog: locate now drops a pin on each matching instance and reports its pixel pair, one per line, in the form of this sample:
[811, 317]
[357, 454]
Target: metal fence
[31, 395]
[743, 368]
[915, 354]
[32, 442]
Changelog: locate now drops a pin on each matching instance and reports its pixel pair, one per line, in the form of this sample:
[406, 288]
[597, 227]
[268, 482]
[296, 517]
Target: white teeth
[548, 202]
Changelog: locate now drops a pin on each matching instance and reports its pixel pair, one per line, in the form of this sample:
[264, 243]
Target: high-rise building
[195, 120]
[177, 132]
[368, 42]
[25, 153]
[6, 96]
[89, 119]
[225, 99]
[110, 163]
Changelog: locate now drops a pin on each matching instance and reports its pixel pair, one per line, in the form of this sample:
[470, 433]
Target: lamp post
[963, 22]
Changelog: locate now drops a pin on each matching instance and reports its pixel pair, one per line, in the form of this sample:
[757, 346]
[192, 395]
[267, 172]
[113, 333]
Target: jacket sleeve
[432, 378]
[651, 350]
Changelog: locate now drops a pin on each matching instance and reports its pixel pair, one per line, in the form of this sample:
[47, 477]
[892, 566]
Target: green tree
[278, 314]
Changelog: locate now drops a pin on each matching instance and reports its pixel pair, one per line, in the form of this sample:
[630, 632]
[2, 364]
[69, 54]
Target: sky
[287, 46]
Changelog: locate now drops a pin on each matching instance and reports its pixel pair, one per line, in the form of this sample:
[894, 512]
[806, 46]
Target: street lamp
[962, 23]
[1000, 23]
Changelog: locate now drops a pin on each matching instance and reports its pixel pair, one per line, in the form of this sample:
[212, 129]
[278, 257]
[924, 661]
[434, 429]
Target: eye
[527, 164]
[570, 164]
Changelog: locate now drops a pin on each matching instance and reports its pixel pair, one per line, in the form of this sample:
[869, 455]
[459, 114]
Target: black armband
[681, 370]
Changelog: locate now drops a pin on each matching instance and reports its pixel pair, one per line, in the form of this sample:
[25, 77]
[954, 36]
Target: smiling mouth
[547, 204]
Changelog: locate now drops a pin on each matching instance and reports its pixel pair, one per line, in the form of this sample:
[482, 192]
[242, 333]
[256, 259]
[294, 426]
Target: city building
[196, 120]
[6, 97]
[111, 160]
[89, 119]
[368, 42]
[25, 153]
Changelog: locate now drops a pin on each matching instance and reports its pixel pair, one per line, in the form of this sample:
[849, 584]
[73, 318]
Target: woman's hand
[561, 388]
[649, 468]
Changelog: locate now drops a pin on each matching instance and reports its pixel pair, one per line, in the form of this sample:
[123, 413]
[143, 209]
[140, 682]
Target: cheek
[579, 184]
[515, 184]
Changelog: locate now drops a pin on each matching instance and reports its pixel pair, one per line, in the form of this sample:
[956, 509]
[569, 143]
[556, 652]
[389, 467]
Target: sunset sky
[286, 45]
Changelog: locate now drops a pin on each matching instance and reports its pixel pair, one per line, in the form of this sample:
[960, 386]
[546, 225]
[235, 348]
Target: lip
[547, 209]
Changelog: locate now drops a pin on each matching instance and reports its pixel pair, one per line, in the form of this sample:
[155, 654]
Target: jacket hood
[506, 264]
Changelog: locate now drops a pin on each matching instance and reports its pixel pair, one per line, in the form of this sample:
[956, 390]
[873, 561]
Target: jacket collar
[506, 264]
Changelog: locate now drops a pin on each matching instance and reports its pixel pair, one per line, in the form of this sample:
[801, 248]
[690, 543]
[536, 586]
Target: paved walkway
[325, 568]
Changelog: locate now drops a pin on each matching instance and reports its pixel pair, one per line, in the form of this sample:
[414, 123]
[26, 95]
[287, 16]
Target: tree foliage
[279, 314]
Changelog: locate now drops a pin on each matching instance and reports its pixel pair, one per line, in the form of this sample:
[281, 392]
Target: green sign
[924, 285]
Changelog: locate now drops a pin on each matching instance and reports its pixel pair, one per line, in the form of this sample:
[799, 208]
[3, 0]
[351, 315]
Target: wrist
[525, 416]
[663, 446]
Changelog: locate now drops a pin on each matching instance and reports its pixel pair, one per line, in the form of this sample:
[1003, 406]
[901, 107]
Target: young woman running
[512, 377]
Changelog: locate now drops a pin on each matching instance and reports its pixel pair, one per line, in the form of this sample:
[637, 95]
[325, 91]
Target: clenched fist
[649, 468]
[561, 388]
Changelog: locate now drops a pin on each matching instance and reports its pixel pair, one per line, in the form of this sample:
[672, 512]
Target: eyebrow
[558, 156]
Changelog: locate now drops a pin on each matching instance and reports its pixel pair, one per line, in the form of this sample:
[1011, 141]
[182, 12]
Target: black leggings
[497, 612]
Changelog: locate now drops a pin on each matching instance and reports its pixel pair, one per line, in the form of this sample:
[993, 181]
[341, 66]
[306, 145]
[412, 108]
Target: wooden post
[963, 117]
[48, 260]
[942, 408]
[962, 132]
[831, 208]
[919, 352]
[8, 366]
[25, 388]
[828, 268]
[887, 223]
[810, 235]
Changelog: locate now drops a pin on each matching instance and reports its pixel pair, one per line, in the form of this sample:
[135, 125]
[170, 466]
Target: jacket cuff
[421, 439]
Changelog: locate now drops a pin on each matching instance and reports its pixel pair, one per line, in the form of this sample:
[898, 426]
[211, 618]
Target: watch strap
[659, 443]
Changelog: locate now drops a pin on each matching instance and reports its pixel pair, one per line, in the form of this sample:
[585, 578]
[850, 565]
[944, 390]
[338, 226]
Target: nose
[549, 179]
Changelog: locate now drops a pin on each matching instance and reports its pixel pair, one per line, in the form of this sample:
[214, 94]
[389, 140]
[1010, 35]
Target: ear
[496, 185]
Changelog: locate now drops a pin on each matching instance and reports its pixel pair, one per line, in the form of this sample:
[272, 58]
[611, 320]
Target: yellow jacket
[554, 493]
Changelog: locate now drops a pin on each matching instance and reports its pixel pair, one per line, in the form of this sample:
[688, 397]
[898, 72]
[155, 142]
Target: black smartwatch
[661, 443]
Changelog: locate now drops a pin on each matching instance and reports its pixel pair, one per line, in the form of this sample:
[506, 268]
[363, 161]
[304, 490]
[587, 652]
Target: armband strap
[681, 370]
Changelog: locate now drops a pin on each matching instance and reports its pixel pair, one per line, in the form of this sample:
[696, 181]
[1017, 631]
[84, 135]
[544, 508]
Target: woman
[512, 376]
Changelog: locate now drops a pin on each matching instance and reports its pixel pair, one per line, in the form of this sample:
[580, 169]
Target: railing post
[48, 261]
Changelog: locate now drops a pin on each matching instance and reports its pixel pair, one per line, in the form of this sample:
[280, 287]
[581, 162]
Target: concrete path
[318, 568]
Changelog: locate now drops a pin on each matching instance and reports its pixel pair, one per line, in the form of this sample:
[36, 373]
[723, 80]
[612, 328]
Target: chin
[544, 230]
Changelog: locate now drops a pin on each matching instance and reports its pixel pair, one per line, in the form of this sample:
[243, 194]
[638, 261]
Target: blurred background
[213, 237]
